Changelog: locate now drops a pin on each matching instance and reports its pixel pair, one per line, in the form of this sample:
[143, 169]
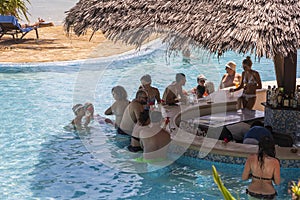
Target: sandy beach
[54, 45]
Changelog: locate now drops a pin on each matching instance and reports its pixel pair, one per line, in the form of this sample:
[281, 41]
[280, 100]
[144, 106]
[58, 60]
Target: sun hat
[201, 77]
[231, 65]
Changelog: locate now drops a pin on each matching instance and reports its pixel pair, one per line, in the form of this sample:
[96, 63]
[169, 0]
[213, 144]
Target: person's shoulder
[252, 157]
[238, 74]
[154, 88]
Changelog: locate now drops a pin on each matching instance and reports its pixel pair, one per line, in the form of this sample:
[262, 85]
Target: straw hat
[231, 65]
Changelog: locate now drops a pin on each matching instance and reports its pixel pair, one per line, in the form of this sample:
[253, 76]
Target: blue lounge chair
[9, 25]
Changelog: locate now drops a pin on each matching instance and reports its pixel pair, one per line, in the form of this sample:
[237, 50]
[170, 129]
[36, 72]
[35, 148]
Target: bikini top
[251, 80]
[261, 178]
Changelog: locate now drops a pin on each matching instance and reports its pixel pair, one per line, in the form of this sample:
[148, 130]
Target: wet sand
[54, 45]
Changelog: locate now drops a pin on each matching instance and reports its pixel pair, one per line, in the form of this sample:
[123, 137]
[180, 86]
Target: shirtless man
[173, 93]
[132, 112]
[155, 140]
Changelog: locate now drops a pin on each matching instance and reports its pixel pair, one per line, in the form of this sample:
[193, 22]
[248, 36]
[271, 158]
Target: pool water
[41, 160]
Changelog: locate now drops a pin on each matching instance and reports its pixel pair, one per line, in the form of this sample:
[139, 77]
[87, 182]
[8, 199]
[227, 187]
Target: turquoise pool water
[41, 160]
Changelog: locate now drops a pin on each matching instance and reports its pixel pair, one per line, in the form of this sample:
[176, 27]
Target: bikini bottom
[261, 196]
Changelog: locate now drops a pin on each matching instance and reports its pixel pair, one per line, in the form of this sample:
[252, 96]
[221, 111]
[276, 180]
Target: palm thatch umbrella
[267, 28]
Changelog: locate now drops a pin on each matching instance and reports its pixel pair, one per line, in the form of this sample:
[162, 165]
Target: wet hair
[76, 108]
[140, 93]
[266, 146]
[146, 78]
[155, 116]
[179, 77]
[144, 118]
[247, 61]
[120, 92]
[257, 123]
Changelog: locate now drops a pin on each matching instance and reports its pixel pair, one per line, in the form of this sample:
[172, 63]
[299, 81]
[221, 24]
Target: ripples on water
[39, 159]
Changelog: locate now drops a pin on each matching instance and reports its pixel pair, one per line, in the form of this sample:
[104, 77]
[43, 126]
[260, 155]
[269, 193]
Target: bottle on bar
[274, 102]
[268, 97]
[286, 101]
[294, 100]
[279, 97]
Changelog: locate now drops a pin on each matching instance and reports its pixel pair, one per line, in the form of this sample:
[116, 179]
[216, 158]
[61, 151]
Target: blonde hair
[120, 92]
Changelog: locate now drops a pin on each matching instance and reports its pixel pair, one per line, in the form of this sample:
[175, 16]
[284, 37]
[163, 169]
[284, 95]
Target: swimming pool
[41, 160]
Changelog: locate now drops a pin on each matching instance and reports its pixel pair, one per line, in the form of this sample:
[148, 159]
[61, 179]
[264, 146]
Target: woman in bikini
[263, 168]
[118, 107]
[152, 92]
[250, 82]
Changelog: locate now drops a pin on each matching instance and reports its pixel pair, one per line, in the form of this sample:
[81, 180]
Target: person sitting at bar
[250, 83]
[264, 169]
[256, 132]
[174, 93]
[118, 107]
[200, 90]
[231, 78]
[132, 112]
[143, 121]
[153, 92]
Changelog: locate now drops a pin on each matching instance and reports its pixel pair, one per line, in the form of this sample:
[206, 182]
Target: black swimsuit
[261, 196]
[261, 178]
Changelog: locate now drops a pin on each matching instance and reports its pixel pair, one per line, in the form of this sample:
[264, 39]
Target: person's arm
[240, 86]
[109, 110]
[258, 80]
[157, 96]
[247, 170]
[277, 172]
[221, 84]
[239, 79]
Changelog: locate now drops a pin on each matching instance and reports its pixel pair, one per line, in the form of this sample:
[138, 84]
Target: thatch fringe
[265, 27]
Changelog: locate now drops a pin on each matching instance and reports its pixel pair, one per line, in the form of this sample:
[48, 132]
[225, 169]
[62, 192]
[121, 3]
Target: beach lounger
[9, 25]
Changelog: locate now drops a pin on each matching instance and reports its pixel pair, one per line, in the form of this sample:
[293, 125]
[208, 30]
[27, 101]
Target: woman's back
[262, 177]
[264, 169]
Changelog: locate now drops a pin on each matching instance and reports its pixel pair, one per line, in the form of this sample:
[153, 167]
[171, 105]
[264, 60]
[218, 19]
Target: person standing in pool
[79, 112]
[174, 93]
[153, 92]
[155, 140]
[264, 169]
[118, 107]
[132, 112]
[250, 83]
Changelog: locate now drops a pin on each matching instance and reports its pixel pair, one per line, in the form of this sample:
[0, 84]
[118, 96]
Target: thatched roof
[265, 27]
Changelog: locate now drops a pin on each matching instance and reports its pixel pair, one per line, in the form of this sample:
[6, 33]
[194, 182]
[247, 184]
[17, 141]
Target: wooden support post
[290, 71]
